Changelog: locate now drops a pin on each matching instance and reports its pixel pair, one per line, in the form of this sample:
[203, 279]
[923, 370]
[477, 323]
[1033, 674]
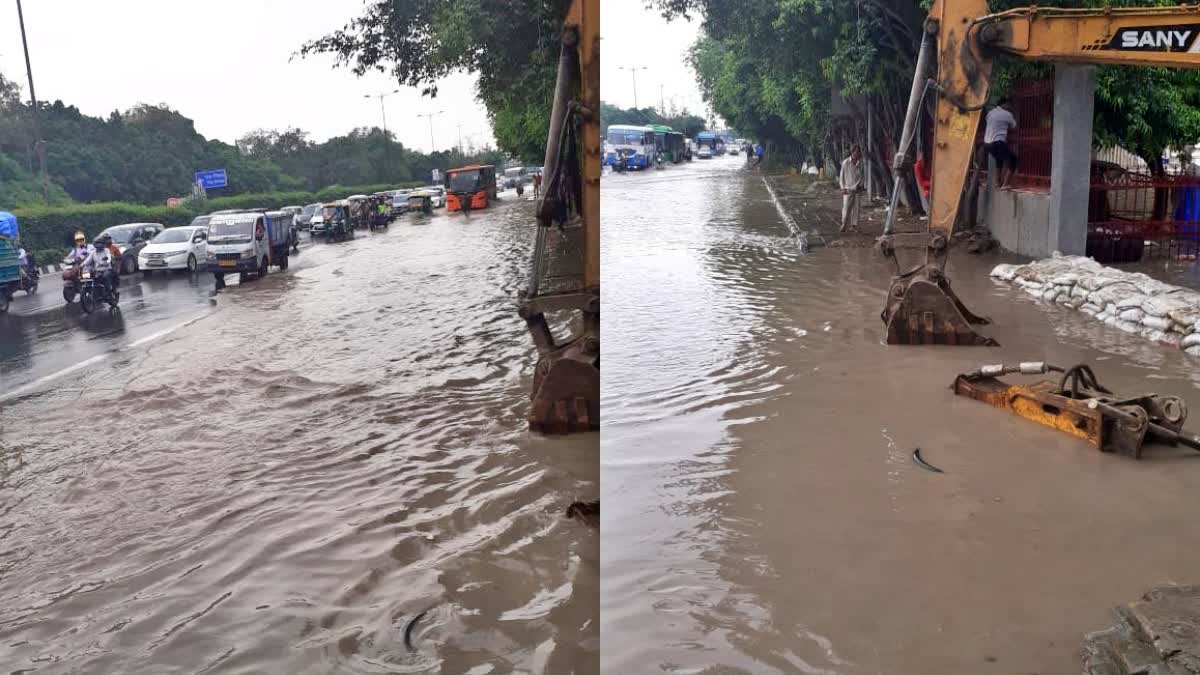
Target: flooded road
[322, 466]
[763, 513]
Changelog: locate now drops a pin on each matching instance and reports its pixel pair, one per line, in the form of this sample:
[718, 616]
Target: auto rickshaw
[420, 202]
[339, 225]
[359, 210]
[380, 212]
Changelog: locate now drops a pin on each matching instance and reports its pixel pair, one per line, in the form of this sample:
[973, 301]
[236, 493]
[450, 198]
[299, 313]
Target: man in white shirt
[995, 139]
[851, 181]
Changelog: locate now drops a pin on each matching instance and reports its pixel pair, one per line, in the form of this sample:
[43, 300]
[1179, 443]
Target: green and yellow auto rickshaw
[420, 201]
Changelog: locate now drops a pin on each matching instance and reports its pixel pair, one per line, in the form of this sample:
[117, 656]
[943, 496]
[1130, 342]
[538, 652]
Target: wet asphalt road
[42, 336]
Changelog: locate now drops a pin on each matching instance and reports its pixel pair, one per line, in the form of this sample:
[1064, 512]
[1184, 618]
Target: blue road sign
[211, 179]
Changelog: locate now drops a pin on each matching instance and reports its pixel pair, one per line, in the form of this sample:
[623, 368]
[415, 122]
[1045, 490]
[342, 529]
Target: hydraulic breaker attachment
[1078, 405]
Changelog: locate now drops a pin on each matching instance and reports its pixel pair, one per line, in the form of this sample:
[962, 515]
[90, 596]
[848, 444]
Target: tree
[511, 45]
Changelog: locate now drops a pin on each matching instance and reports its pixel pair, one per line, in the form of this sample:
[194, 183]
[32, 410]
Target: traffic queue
[247, 242]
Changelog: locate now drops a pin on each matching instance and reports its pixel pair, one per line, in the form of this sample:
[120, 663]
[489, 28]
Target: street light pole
[633, 71]
[387, 145]
[40, 143]
[432, 145]
[662, 106]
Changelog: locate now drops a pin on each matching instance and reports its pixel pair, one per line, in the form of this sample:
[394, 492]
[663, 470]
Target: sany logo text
[1155, 39]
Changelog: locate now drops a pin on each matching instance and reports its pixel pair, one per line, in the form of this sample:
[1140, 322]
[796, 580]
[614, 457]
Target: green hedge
[47, 230]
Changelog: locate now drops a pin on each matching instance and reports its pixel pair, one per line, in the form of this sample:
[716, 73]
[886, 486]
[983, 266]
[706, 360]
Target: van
[247, 243]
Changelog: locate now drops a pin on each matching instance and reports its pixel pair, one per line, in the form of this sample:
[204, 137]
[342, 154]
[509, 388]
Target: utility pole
[633, 71]
[432, 145]
[387, 145]
[40, 143]
[662, 107]
[460, 145]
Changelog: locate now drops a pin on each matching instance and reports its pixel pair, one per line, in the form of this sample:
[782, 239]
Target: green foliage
[679, 120]
[150, 153]
[512, 45]
[772, 67]
[19, 186]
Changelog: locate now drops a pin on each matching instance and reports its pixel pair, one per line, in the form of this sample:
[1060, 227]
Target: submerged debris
[916, 455]
[587, 513]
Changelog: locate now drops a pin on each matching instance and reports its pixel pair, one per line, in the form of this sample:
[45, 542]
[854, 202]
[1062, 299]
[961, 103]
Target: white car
[437, 195]
[175, 248]
[704, 152]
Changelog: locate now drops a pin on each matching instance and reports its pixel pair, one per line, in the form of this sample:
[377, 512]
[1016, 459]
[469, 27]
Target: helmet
[80, 238]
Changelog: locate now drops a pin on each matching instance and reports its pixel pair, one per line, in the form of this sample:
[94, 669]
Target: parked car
[705, 152]
[130, 239]
[176, 248]
[400, 200]
[304, 219]
[437, 195]
[201, 221]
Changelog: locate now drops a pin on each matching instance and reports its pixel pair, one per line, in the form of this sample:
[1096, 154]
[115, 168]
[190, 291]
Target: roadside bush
[47, 230]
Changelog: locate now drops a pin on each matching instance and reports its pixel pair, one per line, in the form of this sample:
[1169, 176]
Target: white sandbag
[1161, 306]
[1111, 308]
[1156, 322]
[1073, 303]
[1129, 301]
[1112, 293]
[1129, 326]
[1134, 314]
[1112, 320]
[1190, 340]
[1089, 308]
[1051, 294]
[1078, 291]
[1194, 351]
[1185, 316]
[1151, 334]
[1005, 272]
[1066, 279]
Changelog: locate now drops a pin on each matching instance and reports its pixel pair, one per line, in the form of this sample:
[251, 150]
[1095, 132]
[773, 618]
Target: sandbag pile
[1133, 302]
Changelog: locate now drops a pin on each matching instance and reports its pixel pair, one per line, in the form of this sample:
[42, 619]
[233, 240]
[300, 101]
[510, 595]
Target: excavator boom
[921, 308]
[565, 270]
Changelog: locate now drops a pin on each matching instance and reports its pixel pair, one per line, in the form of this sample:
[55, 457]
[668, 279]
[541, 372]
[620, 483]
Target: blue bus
[636, 144]
[712, 140]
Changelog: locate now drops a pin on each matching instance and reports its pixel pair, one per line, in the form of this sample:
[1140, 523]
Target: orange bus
[476, 180]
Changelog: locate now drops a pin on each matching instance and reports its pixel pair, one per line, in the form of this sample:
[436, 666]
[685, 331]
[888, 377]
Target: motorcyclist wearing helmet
[100, 262]
[81, 250]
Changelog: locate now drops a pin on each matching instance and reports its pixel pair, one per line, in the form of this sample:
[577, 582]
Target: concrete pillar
[1071, 158]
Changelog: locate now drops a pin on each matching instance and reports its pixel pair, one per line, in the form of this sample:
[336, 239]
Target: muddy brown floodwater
[284, 485]
[762, 511]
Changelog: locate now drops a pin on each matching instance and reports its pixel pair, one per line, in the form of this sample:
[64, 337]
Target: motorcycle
[70, 277]
[464, 201]
[92, 291]
[295, 239]
[29, 282]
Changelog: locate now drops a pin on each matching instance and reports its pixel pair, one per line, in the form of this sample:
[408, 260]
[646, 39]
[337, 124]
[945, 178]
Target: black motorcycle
[29, 282]
[94, 292]
[295, 238]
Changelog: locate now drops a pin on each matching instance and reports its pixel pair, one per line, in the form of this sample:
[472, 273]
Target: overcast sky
[634, 36]
[224, 64]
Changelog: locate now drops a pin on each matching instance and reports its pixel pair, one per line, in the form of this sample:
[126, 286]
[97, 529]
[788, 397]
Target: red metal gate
[1135, 215]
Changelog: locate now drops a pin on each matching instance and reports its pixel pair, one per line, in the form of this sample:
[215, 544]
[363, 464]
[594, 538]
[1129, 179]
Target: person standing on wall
[851, 182]
[995, 139]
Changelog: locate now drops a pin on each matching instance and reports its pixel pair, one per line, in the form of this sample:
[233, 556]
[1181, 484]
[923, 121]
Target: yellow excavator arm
[565, 271]
[960, 43]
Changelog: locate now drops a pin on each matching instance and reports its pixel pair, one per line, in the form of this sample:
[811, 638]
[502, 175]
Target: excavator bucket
[566, 391]
[923, 310]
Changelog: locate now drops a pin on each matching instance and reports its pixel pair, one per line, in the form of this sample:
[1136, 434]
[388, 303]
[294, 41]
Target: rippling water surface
[285, 484]
[763, 513]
